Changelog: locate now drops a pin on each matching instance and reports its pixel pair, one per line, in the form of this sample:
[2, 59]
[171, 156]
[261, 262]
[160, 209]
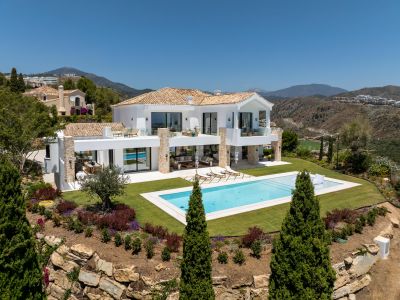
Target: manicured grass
[310, 145]
[269, 218]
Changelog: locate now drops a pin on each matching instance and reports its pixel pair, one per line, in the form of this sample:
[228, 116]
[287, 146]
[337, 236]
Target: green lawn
[269, 218]
[309, 144]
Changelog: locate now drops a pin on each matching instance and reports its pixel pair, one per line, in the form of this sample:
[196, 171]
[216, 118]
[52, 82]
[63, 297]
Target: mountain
[121, 88]
[303, 91]
[388, 91]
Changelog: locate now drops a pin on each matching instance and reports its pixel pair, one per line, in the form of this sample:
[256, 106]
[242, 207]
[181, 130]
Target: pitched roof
[90, 129]
[47, 90]
[174, 96]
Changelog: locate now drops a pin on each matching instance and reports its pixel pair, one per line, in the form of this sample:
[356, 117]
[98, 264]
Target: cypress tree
[330, 150]
[321, 148]
[196, 280]
[20, 274]
[21, 83]
[14, 86]
[300, 264]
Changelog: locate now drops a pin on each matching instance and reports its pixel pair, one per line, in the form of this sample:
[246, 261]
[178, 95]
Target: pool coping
[180, 215]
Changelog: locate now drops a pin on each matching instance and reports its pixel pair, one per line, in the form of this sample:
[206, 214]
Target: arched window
[77, 101]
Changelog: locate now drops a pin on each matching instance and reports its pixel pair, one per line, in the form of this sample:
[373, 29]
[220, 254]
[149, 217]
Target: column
[69, 159]
[277, 145]
[163, 152]
[252, 154]
[223, 149]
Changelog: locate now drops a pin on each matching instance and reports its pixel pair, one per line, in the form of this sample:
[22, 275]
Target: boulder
[173, 296]
[348, 261]
[105, 267]
[218, 280]
[261, 293]
[69, 266]
[111, 287]
[148, 281]
[62, 250]
[39, 235]
[126, 274]
[52, 241]
[57, 292]
[160, 267]
[260, 281]
[92, 293]
[339, 266]
[395, 221]
[341, 281]
[357, 285]
[75, 258]
[341, 292]
[89, 278]
[60, 278]
[387, 232]
[362, 264]
[352, 297]
[82, 251]
[57, 260]
[372, 248]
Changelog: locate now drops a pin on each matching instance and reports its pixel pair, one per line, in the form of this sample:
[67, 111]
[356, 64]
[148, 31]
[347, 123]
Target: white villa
[166, 130]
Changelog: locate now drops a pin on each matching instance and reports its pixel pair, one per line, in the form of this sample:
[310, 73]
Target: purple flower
[134, 225]
[67, 213]
[218, 238]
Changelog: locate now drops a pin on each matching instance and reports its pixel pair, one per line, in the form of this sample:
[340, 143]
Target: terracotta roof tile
[90, 129]
[47, 90]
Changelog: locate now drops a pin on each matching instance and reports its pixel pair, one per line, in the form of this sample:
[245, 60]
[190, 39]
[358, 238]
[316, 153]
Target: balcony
[262, 136]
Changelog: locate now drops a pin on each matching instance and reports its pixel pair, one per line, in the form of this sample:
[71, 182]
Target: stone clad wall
[163, 153]
[252, 155]
[69, 159]
[277, 145]
[223, 149]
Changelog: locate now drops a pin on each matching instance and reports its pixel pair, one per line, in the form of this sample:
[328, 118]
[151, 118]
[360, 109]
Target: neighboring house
[37, 81]
[67, 102]
[165, 130]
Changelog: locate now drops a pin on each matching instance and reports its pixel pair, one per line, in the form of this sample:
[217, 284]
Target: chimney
[189, 100]
[217, 92]
[61, 107]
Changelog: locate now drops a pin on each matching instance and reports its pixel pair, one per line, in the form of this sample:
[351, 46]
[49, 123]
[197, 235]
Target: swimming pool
[230, 198]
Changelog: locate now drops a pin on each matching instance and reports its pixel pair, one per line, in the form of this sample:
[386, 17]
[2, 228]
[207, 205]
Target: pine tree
[321, 148]
[21, 83]
[196, 280]
[14, 86]
[300, 264]
[330, 149]
[20, 274]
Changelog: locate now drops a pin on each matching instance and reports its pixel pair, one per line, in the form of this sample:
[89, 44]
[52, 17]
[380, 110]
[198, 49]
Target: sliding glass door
[246, 121]
[137, 159]
[171, 120]
[210, 125]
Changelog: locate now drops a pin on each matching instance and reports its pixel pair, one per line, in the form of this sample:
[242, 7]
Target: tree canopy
[69, 84]
[20, 273]
[196, 280]
[355, 134]
[290, 141]
[23, 121]
[87, 86]
[14, 84]
[300, 264]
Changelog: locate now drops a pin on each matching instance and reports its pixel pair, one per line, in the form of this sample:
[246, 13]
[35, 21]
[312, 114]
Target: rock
[69, 266]
[126, 274]
[75, 258]
[173, 296]
[104, 266]
[362, 264]
[56, 259]
[372, 248]
[137, 286]
[242, 282]
[159, 267]
[387, 232]
[76, 288]
[341, 292]
[51, 298]
[52, 241]
[339, 266]
[352, 297]
[92, 293]
[60, 278]
[261, 281]
[39, 235]
[217, 280]
[82, 251]
[348, 261]
[62, 250]
[148, 281]
[344, 298]
[89, 278]
[261, 293]
[72, 297]
[112, 287]
[357, 285]
[57, 292]
[395, 221]
[341, 281]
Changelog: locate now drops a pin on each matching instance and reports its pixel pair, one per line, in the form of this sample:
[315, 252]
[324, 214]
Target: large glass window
[210, 125]
[137, 159]
[262, 118]
[171, 120]
[246, 121]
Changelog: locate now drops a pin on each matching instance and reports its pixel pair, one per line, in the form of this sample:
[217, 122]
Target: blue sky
[217, 44]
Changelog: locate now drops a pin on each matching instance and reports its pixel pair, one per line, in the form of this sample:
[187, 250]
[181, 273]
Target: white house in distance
[166, 130]
[67, 102]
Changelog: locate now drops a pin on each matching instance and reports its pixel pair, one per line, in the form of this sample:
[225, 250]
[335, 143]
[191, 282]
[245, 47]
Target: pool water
[245, 193]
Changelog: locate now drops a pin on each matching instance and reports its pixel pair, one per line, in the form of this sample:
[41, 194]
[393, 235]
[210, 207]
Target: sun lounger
[318, 179]
[203, 177]
[216, 174]
[232, 172]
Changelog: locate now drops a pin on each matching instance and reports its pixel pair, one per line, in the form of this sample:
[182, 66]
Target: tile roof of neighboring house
[48, 90]
[174, 96]
[90, 129]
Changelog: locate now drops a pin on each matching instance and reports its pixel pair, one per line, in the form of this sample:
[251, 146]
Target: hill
[121, 88]
[388, 91]
[304, 90]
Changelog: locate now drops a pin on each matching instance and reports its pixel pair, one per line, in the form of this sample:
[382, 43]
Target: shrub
[349, 229]
[303, 152]
[56, 220]
[253, 234]
[289, 141]
[65, 207]
[338, 215]
[173, 242]
[42, 209]
[136, 246]
[117, 220]
[78, 227]
[222, 258]
[166, 254]
[358, 227]
[41, 224]
[149, 246]
[343, 233]
[117, 240]
[70, 223]
[381, 211]
[358, 162]
[35, 208]
[128, 242]
[42, 191]
[239, 258]
[105, 235]
[380, 167]
[256, 249]
[371, 216]
[156, 230]
[88, 231]
[73, 275]
[363, 221]
[133, 225]
[47, 214]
